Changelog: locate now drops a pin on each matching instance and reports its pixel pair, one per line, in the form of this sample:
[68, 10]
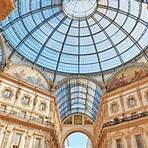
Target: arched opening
[77, 140]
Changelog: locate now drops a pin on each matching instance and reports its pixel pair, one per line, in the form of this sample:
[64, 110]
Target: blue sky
[77, 140]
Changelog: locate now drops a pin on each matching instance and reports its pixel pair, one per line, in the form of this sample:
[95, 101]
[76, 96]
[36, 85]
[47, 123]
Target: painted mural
[28, 74]
[68, 121]
[127, 76]
[87, 120]
[78, 119]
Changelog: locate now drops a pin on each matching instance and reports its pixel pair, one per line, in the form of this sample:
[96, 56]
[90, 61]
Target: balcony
[16, 114]
[125, 119]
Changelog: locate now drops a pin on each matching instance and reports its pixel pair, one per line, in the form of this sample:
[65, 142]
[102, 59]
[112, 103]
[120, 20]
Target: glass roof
[78, 95]
[79, 8]
[42, 32]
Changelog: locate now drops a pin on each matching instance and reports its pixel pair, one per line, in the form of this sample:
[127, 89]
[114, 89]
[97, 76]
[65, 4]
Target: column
[133, 142]
[43, 142]
[10, 139]
[125, 145]
[48, 142]
[2, 135]
[114, 143]
[31, 141]
[145, 139]
[109, 143]
[140, 99]
[128, 140]
[23, 140]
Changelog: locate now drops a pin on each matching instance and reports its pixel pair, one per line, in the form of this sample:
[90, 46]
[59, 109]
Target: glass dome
[107, 35]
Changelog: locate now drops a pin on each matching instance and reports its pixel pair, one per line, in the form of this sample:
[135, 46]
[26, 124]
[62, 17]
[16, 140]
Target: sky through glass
[115, 33]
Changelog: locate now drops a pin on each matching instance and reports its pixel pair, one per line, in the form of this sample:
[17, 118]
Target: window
[41, 119]
[119, 143]
[25, 100]
[7, 93]
[139, 141]
[43, 106]
[16, 140]
[5, 140]
[3, 108]
[131, 102]
[37, 143]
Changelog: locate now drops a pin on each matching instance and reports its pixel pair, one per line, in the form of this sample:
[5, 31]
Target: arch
[28, 74]
[127, 75]
[80, 77]
[78, 130]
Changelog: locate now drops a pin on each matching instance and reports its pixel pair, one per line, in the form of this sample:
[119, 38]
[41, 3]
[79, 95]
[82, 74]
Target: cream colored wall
[106, 136]
[29, 135]
[128, 136]
[12, 121]
[15, 103]
[122, 100]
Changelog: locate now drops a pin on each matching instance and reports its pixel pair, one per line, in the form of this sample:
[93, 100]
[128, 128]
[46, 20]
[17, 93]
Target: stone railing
[24, 117]
[133, 117]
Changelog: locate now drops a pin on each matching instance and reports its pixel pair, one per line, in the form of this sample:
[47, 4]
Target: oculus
[79, 8]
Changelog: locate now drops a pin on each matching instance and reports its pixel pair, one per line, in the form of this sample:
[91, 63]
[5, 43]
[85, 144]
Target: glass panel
[43, 33]
[78, 95]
